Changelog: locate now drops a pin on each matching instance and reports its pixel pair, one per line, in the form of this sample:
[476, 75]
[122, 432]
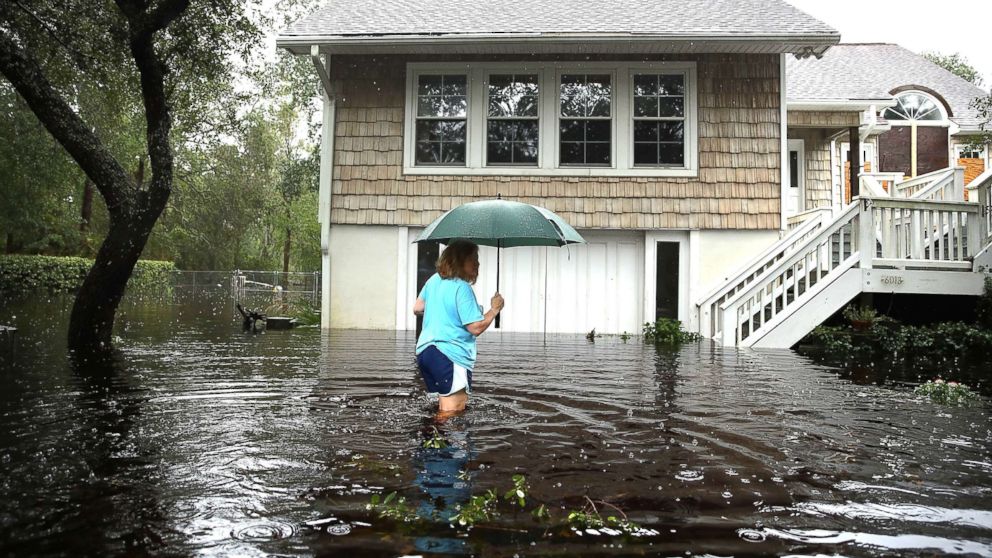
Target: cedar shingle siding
[739, 151]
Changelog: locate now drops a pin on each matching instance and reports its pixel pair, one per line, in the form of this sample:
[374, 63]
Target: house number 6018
[891, 280]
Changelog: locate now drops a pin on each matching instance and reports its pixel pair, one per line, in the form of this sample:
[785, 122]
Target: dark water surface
[200, 440]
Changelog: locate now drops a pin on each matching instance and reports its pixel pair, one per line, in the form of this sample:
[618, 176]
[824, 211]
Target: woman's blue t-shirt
[450, 305]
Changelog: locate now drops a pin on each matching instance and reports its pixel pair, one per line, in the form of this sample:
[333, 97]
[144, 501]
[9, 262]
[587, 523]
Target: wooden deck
[928, 242]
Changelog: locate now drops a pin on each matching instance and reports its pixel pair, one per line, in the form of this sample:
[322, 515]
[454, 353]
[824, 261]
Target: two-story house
[658, 128]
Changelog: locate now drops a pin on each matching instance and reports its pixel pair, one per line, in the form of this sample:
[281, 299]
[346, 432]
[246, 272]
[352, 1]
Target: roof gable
[867, 72]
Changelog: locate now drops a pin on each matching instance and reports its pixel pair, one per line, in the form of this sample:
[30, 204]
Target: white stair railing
[708, 307]
[810, 265]
[871, 232]
[980, 193]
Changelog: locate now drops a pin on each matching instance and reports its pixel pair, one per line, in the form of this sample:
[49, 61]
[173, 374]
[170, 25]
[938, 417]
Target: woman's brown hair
[452, 261]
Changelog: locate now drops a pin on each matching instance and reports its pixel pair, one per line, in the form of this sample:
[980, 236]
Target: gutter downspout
[326, 177]
[784, 147]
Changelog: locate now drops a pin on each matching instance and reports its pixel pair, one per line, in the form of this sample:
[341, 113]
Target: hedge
[53, 274]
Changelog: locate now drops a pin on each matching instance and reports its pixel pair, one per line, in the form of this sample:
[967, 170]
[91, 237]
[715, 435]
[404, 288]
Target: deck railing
[709, 307]
[980, 192]
[873, 232]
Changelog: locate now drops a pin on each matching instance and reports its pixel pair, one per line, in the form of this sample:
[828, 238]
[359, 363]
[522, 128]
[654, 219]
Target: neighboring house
[912, 117]
[655, 127]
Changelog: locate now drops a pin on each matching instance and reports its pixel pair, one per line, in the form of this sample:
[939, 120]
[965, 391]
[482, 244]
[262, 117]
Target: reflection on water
[199, 439]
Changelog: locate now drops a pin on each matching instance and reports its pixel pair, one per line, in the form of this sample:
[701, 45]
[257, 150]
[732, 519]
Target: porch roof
[515, 25]
[865, 72]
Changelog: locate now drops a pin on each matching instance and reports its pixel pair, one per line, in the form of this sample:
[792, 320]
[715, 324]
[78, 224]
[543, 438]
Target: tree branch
[24, 72]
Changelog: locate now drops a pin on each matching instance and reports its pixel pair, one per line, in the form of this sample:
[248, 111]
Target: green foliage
[947, 393]
[889, 340]
[518, 494]
[668, 332]
[625, 337]
[541, 513]
[393, 507]
[244, 137]
[51, 274]
[957, 65]
[478, 509]
[865, 314]
[983, 309]
[590, 517]
[436, 441]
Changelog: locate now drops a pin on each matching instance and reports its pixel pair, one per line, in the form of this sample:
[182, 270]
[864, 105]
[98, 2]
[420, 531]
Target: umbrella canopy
[503, 224]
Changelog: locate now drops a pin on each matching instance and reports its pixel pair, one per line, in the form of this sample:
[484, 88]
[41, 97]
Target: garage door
[570, 290]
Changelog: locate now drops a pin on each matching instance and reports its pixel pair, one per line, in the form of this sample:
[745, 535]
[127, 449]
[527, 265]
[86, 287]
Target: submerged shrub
[983, 310]
[668, 331]
[946, 393]
[57, 274]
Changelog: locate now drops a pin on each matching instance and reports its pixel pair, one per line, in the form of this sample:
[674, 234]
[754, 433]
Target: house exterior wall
[737, 187]
[823, 119]
[818, 180]
[364, 267]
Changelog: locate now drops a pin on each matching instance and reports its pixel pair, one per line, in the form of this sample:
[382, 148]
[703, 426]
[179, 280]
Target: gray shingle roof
[676, 18]
[872, 71]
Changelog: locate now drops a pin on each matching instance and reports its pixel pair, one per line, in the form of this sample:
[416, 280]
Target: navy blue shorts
[441, 375]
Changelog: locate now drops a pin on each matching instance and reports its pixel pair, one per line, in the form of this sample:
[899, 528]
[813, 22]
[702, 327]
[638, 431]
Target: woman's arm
[477, 328]
[418, 307]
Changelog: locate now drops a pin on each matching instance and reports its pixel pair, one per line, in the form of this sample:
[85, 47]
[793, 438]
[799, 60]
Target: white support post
[958, 194]
[326, 178]
[866, 233]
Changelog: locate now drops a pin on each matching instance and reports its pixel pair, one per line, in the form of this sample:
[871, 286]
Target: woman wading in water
[452, 320]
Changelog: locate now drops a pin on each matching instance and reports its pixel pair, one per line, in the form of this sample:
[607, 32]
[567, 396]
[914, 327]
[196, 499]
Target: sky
[945, 27]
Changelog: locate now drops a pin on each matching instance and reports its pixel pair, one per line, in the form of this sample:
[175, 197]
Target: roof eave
[839, 105]
[800, 44]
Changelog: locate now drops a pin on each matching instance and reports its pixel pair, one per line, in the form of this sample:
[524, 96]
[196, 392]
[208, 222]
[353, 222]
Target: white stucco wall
[722, 253]
[363, 277]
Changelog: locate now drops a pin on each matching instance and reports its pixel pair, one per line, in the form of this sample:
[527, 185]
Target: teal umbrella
[503, 224]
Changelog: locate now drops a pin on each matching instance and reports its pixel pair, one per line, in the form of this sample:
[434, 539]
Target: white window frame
[943, 121]
[622, 144]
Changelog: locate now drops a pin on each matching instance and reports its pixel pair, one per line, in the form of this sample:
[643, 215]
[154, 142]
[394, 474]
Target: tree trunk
[91, 322]
[286, 249]
[86, 213]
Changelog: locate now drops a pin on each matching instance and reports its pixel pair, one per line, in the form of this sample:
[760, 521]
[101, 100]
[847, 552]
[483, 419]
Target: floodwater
[201, 440]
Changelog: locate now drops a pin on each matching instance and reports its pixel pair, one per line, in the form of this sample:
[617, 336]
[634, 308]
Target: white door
[571, 289]
[794, 199]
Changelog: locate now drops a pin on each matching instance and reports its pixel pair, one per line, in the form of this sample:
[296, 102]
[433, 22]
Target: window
[551, 118]
[512, 129]
[659, 120]
[585, 125]
[970, 152]
[914, 105]
[442, 106]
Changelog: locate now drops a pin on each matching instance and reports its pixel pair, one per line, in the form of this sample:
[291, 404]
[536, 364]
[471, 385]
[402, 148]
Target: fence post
[866, 232]
[983, 212]
[958, 194]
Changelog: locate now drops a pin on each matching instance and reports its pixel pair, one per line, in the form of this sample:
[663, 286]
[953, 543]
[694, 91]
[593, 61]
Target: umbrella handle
[497, 279]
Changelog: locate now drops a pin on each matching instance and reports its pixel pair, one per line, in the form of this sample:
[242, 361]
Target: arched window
[915, 106]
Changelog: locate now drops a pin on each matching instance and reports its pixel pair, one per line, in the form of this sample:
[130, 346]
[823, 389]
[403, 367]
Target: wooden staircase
[926, 243]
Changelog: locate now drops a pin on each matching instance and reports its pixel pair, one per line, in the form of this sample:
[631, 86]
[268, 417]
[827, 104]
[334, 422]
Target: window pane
[645, 131]
[429, 85]
[512, 142]
[670, 131]
[441, 95]
[646, 153]
[671, 106]
[598, 130]
[440, 142]
[645, 106]
[512, 95]
[585, 95]
[572, 153]
[572, 130]
[645, 84]
[454, 85]
[671, 85]
[585, 142]
[671, 154]
[597, 153]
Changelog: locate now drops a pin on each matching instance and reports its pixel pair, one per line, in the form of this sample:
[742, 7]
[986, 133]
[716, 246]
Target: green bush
[946, 393]
[55, 274]
[667, 331]
[890, 340]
